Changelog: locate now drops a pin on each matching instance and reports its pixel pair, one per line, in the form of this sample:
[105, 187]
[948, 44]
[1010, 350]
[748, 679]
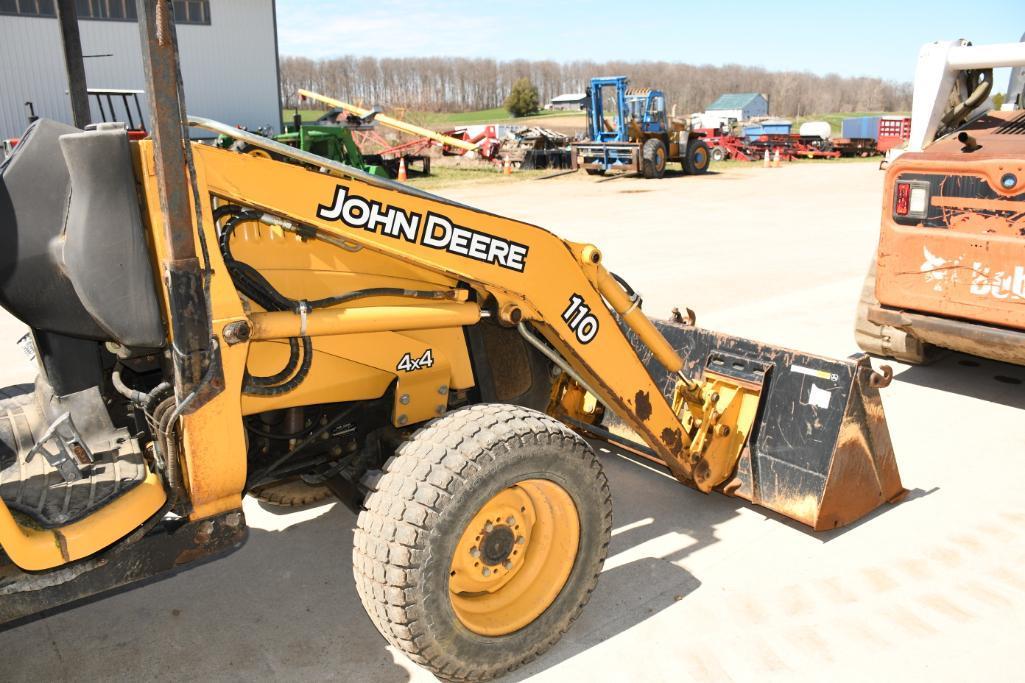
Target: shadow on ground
[285, 606]
[970, 376]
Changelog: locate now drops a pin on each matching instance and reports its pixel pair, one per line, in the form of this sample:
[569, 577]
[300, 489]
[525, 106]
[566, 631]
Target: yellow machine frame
[358, 345]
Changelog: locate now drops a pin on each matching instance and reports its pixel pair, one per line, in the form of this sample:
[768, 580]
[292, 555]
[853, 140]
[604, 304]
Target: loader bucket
[820, 449]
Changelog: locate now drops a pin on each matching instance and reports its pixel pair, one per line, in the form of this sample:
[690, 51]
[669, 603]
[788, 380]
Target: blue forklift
[628, 130]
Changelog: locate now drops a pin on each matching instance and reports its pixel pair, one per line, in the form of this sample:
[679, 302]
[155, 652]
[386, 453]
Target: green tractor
[324, 138]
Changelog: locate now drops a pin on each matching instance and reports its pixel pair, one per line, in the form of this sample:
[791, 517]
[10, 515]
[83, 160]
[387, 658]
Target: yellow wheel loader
[209, 323]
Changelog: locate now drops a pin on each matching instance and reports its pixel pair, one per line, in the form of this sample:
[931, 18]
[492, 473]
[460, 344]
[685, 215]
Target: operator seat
[74, 261]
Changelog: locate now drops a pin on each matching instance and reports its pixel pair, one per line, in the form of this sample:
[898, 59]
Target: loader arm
[559, 287]
[802, 435]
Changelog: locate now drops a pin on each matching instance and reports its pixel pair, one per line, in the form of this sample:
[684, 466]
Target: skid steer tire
[883, 340]
[653, 159]
[698, 158]
[595, 171]
[436, 493]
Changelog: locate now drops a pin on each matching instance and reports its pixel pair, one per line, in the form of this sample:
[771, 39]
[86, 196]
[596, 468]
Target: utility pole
[67, 17]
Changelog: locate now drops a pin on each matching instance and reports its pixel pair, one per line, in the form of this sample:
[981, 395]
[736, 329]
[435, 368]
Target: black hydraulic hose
[253, 389]
[281, 375]
[436, 295]
[251, 283]
[624, 283]
[258, 289]
[156, 394]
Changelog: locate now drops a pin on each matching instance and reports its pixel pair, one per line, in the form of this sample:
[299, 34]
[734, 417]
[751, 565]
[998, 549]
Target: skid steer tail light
[903, 199]
[911, 199]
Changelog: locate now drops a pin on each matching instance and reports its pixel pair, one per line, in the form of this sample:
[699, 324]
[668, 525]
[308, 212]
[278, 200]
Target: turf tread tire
[415, 510]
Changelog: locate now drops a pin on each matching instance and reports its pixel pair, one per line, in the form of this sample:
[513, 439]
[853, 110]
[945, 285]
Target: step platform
[33, 488]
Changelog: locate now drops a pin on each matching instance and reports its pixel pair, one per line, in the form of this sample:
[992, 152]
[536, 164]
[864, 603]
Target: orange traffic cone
[507, 167]
[402, 170]
[765, 161]
[775, 159]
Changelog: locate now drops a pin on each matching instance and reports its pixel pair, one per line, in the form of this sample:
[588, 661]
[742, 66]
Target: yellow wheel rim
[257, 152]
[514, 557]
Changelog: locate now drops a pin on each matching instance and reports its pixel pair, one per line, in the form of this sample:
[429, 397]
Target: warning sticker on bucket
[818, 397]
[821, 374]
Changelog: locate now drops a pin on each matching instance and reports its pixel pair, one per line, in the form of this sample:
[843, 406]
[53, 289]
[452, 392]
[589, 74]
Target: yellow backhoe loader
[209, 323]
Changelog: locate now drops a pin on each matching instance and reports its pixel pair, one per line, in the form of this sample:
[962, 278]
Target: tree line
[461, 84]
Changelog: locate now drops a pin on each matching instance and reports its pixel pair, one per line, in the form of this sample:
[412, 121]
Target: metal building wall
[229, 67]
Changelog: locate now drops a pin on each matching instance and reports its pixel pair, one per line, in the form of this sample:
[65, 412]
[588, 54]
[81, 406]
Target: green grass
[497, 115]
[308, 115]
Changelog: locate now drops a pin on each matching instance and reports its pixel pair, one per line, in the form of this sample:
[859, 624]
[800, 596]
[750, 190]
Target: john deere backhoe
[209, 322]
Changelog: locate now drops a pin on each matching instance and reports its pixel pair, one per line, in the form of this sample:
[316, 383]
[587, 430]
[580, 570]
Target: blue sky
[847, 37]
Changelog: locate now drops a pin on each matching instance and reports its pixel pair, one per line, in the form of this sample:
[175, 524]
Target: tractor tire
[482, 540]
[653, 159]
[595, 171]
[885, 341]
[290, 493]
[718, 154]
[698, 158]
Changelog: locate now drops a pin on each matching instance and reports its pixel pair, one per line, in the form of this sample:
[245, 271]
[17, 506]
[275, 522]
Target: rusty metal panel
[963, 255]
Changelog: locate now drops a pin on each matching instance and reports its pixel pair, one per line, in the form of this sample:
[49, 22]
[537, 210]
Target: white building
[570, 101]
[229, 59]
[733, 107]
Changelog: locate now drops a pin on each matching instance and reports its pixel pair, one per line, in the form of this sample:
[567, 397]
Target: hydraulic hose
[133, 395]
[257, 288]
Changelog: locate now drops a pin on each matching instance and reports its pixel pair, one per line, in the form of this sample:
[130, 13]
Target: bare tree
[459, 83]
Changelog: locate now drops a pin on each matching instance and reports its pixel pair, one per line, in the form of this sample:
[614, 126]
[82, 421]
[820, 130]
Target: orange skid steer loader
[950, 269]
[210, 324]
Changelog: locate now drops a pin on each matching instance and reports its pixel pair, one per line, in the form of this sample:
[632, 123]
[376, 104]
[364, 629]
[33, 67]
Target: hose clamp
[304, 309]
[635, 304]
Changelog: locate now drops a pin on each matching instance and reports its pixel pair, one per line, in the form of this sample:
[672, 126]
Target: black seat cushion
[34, 191]
[73, 253]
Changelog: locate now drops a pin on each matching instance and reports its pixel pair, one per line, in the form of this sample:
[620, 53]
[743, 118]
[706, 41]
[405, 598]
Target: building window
[187, 12]
[31, 8]
[192, 12]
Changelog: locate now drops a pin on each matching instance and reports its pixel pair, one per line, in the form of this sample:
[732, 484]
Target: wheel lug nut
[474, 551]
[520, 540]
[510, 520]
[507, 564]
[485, 571]
[489, 526]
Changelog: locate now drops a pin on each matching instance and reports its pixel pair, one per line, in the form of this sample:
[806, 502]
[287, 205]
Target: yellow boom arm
[559, 287]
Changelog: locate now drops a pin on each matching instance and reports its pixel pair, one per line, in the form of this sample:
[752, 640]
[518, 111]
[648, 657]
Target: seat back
[73, 253]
